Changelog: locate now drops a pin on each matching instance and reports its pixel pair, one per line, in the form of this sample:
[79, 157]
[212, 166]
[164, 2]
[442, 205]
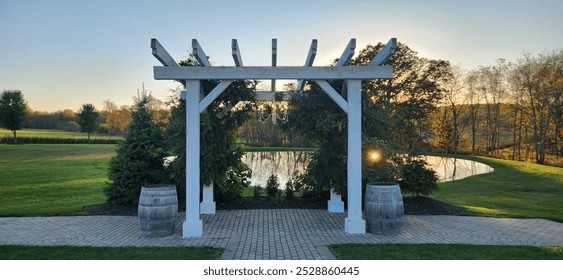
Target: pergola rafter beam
[347, 54]
[308, 62]
[274, 60]
[267, 73]
[384, 54]
[199, 54]
[236, 53]
[161, 54]
[344, 59]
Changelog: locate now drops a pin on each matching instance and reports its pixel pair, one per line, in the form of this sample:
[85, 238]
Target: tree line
[112, 118]
[428, 105]
[511, 109]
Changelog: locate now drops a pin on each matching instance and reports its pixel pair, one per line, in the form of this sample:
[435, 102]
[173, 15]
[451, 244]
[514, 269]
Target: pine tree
[140, 158]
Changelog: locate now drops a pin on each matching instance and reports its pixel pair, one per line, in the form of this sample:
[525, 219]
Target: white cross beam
[267, 73]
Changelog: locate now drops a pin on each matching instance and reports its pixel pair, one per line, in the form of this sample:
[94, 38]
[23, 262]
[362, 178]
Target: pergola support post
[335, 204]
[207, 205]
[193, 225]
[354, 223]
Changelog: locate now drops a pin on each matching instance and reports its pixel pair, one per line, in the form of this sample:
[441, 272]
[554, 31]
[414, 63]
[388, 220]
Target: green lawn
[10, 252]
[61, 179]
[38, 180]
[514, 189]
[53, 133]
[444, 252]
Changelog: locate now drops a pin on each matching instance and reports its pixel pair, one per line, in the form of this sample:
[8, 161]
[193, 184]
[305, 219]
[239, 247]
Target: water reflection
[450, 169]
[283, 164]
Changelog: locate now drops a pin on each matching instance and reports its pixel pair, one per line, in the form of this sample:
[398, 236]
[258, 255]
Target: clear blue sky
[63, 53]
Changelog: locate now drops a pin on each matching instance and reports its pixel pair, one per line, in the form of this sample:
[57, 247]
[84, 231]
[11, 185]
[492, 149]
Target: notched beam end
[154, 41]
[347, 54]
[161, 54]
[385, 53]
[236, 53]
[393, 43]
[199, 54]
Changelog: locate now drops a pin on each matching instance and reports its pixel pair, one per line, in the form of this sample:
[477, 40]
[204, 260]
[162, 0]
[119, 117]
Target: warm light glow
[374, 156]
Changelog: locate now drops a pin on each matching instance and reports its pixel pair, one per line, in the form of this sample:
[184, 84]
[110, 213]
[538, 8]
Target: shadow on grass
[12, 252]
[444, 252]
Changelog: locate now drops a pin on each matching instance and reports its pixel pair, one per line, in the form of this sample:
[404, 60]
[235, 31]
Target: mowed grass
[38, 180]
[513, 189]
[11, 252]
[444, 252]
[53, 133]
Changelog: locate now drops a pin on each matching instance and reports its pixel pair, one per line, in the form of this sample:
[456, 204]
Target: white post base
[192, 228]
[355, 226]
[335, 204]
[207, 206]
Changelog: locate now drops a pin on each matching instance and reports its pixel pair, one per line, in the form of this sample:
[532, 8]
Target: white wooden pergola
[197, 102]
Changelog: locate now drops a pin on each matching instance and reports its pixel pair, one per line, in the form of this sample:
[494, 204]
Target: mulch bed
[413, 206]
[109, 209]
[428, 206]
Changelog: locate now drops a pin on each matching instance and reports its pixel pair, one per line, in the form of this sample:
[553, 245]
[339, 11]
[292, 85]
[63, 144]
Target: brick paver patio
[277, 233]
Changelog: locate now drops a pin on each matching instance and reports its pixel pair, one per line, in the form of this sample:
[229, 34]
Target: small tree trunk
[89, 138]
[15, 138]
[473, 134]
[514, 128]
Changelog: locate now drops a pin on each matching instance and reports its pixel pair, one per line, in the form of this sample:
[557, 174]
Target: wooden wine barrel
[384, 209]
[158, 208]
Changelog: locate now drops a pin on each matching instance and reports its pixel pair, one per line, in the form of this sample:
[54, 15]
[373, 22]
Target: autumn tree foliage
[394, 115]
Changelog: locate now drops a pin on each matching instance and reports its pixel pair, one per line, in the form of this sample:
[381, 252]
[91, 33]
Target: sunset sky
[63, 53]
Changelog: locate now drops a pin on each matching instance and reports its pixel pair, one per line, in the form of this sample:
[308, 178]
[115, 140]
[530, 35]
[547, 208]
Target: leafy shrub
[257, 192]
[308, 187]
[289, 190]
[273, 189]
[234, 183]
[418, 179]
[272, 186]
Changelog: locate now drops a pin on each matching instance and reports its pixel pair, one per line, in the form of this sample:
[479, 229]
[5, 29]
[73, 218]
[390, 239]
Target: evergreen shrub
[140, 158]
[418, 179]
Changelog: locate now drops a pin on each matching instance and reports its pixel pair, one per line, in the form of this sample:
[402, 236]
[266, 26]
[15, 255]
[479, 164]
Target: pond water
[450, 169]
[283, 164]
